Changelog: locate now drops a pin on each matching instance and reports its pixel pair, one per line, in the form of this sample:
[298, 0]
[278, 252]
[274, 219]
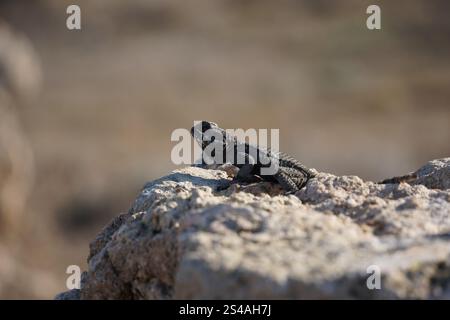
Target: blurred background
[86, 116]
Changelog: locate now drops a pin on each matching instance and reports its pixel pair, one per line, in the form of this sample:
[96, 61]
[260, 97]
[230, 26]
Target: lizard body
[290, 173]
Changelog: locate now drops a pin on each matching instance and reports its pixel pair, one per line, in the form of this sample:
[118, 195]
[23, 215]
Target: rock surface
[182, 239]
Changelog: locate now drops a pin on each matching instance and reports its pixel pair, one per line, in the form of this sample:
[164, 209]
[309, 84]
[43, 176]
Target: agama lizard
[290, 173]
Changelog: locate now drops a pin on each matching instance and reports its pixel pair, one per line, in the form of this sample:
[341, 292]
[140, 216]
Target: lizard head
[206, 132]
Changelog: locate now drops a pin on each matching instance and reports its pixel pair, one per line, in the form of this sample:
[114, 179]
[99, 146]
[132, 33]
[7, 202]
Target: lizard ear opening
[205, 126]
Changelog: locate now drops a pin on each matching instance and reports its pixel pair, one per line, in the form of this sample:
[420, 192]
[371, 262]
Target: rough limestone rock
[182, 239]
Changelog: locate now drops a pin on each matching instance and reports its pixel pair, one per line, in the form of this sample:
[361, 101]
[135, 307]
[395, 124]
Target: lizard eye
[213, 138]
[205, 126]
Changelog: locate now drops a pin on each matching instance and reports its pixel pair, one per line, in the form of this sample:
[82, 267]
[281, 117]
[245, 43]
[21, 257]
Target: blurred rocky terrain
[20, 79]
[19, 279]
[183, 239]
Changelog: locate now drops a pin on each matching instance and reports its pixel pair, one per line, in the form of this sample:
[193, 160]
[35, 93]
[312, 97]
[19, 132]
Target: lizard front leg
[247, 170]
[244, 175]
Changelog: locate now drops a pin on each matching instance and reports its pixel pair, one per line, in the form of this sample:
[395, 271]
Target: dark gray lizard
[290, 173]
